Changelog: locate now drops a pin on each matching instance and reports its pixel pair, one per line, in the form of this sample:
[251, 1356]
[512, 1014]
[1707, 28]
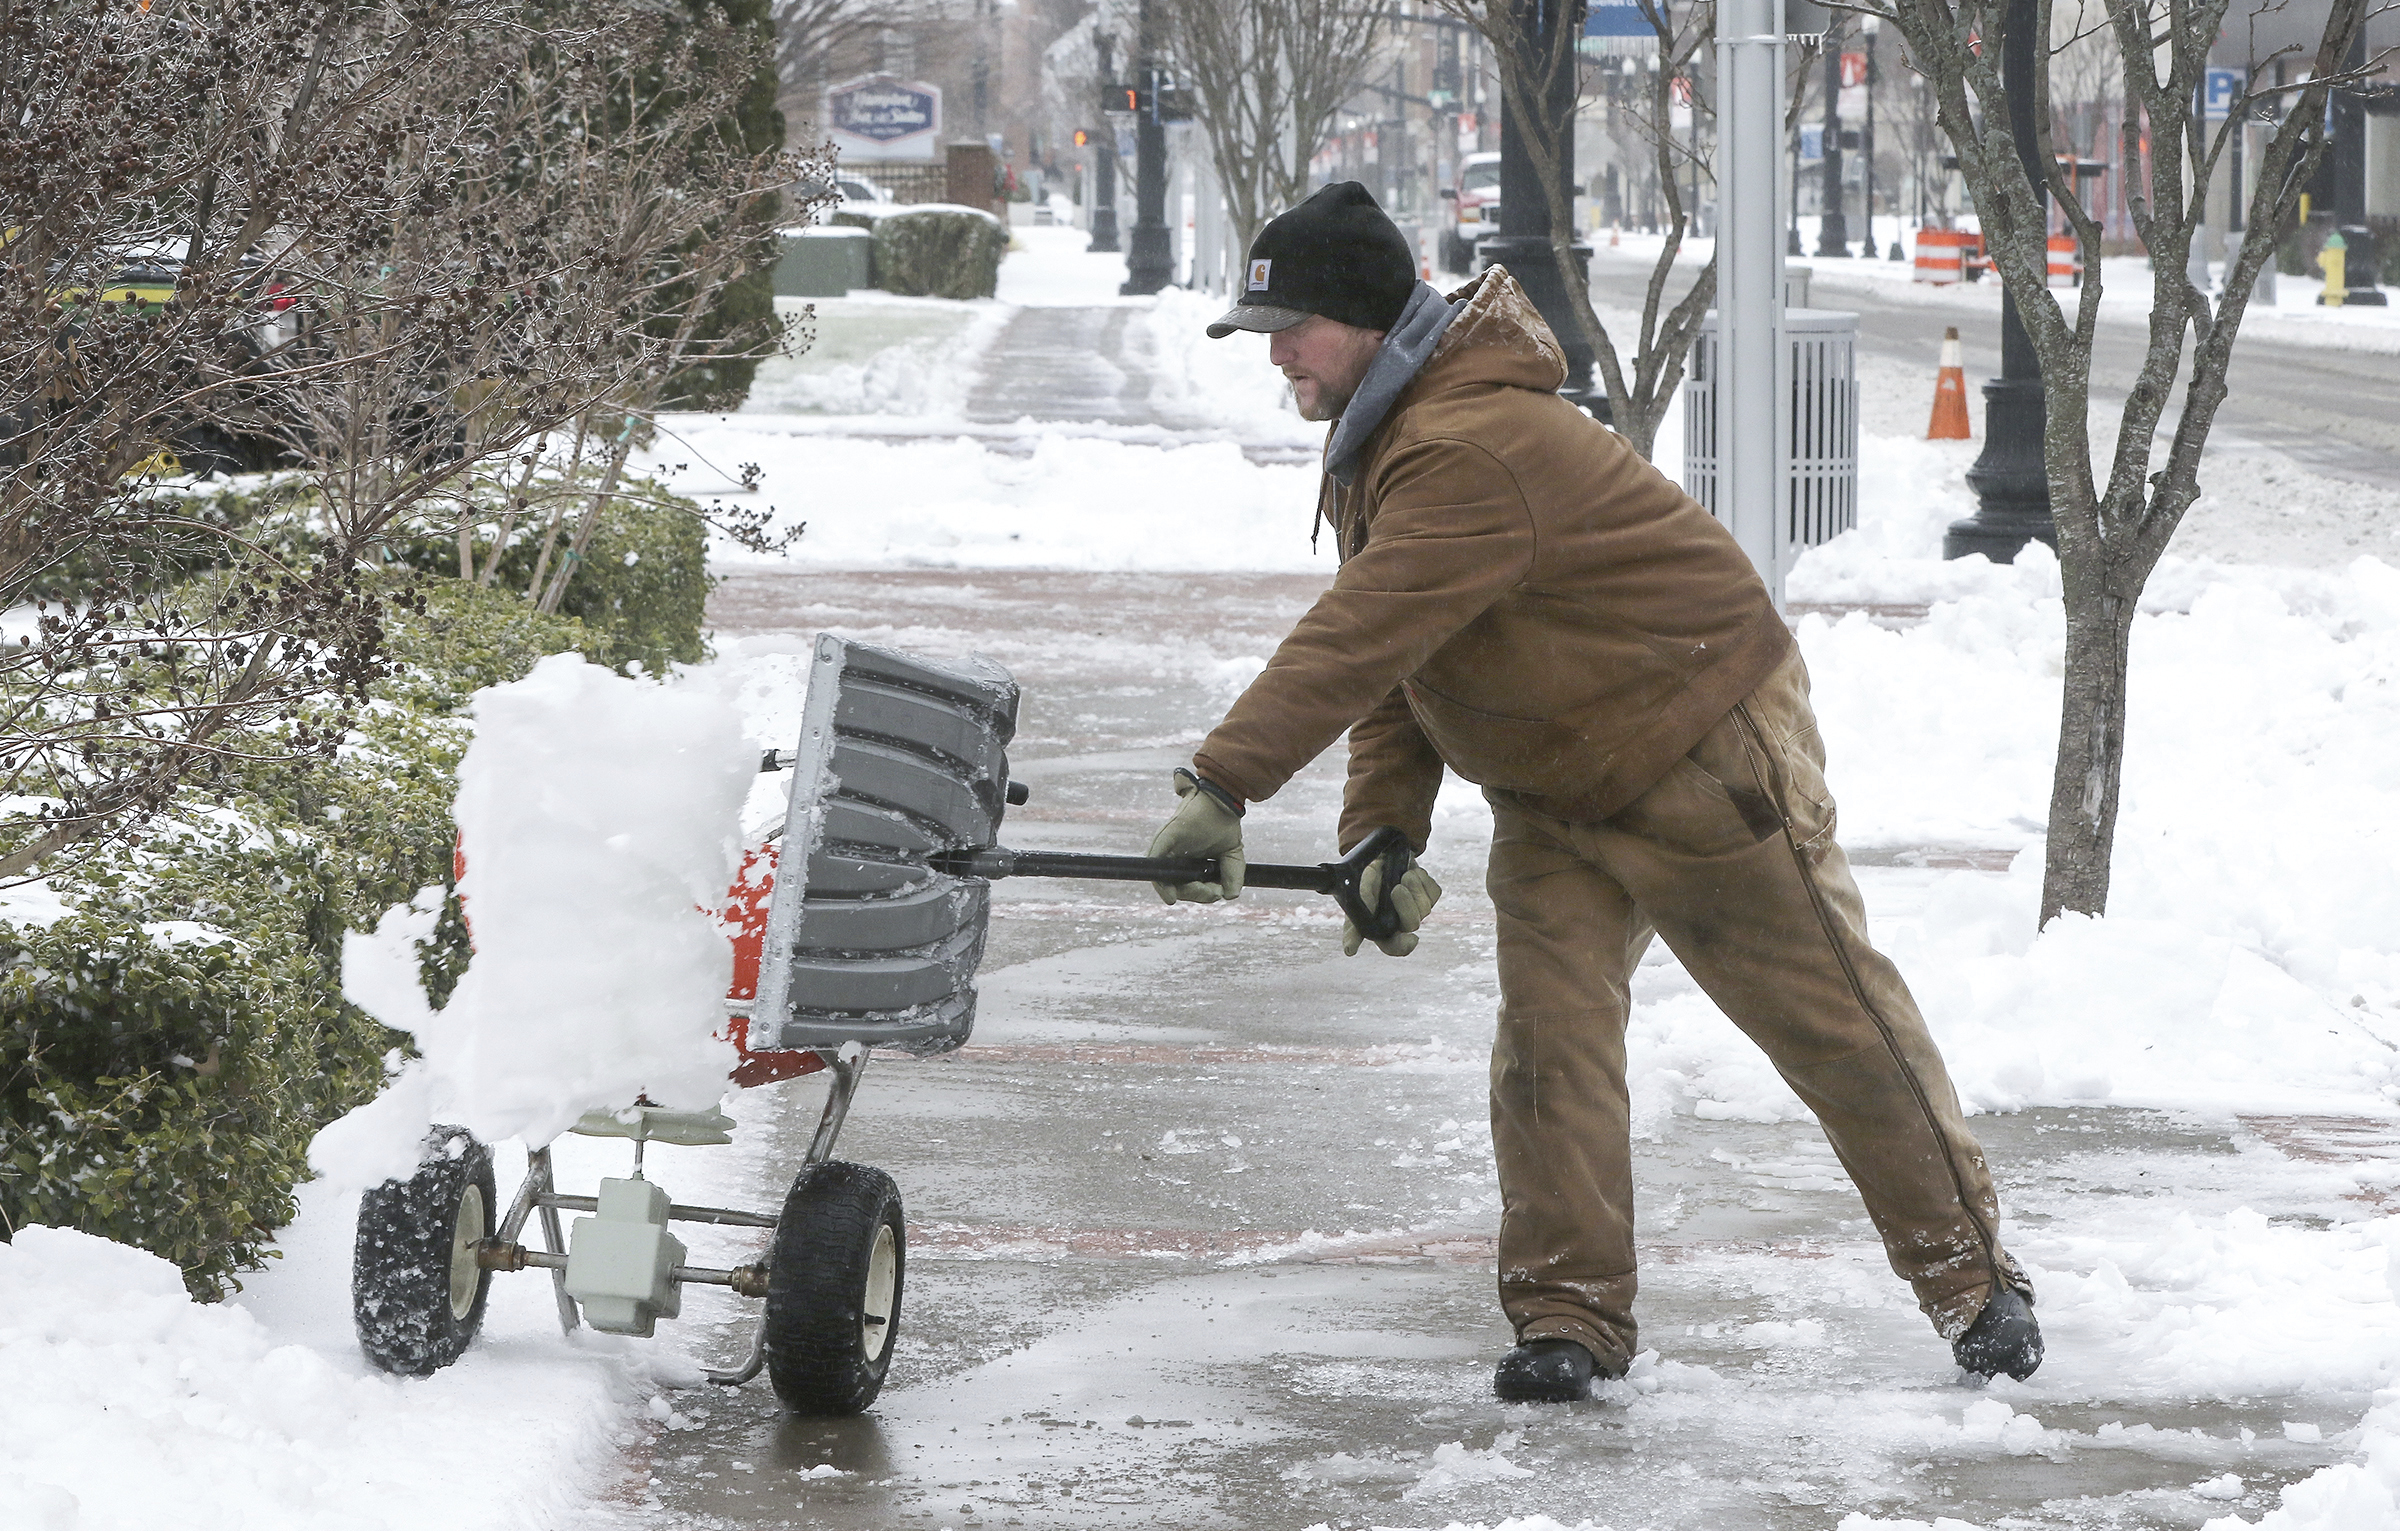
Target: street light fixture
[2011, 479]
[1104, 158]
[1150, 259]
[1523, 243]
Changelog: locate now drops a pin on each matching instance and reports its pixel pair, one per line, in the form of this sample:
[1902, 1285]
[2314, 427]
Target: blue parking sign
[2218, 91]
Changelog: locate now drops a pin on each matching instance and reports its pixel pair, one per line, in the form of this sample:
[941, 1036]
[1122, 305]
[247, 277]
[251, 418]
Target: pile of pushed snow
[128, 1404]
[2251, 951]
[2250, 956]
[2347, 1495]
[1227, 382]
[599, 820]
[1456, 1465]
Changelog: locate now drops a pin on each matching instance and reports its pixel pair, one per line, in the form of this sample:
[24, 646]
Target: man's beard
[1327, 406]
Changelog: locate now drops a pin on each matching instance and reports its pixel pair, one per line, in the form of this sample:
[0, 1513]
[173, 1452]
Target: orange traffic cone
[1950, 395]
[1612, 236]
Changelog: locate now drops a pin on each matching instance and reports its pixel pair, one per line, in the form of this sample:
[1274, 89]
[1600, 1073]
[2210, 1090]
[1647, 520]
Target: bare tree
[329, 229]
[2112, 529]
[819, 41]
[160, 158]
[602, 218]
[1532, 65]
[1268, 77]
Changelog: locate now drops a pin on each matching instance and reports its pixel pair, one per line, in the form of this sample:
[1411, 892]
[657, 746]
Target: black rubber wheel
[1457, 254]
[833, 1288]
[416, 1293]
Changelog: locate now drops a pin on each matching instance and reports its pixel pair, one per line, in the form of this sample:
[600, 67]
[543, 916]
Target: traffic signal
[1082, 138]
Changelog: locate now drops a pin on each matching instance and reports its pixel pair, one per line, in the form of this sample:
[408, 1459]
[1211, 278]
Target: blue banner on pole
[1617, 21]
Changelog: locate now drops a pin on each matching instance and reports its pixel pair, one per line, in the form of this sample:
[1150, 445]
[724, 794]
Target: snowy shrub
[642, 588]
[639, 589]
[162, 1083]
[169, 1045]
[939, 252]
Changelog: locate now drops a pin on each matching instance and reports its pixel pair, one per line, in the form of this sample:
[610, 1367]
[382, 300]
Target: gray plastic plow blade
[900, 759]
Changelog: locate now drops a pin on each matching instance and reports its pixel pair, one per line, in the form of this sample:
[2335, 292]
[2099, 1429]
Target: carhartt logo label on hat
[1258, 274]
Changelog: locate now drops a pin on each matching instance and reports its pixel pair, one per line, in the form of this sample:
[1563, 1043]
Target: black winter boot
[1544, 1371]
[2003, 1338]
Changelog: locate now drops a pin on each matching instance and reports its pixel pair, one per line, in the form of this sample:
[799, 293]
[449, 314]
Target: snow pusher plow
[899, 785]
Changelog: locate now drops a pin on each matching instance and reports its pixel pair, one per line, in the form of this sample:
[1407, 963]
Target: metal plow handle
[1339, 878]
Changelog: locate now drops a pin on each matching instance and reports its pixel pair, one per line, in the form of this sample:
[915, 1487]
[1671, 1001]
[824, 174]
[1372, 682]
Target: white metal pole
[1752, 360]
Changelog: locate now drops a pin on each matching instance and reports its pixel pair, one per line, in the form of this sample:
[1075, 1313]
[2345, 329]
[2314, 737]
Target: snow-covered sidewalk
[2240, 1004]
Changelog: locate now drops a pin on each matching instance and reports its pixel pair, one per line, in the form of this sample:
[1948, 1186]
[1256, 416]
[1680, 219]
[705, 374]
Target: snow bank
[1051, 499]
[1228, 382]
[599, 820]
[924, 376]
[2250, 958]
[2348, 1495]
[2249, 950]
[130, 1405]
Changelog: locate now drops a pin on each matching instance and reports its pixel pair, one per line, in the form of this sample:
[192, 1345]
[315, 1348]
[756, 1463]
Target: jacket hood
[1497, 337]
[1407, 347]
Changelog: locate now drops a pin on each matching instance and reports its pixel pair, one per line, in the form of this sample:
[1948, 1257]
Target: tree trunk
[2091, 746]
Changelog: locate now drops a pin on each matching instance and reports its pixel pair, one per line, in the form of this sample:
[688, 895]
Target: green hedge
[939, 253]
[642, 588]
[169, 1047]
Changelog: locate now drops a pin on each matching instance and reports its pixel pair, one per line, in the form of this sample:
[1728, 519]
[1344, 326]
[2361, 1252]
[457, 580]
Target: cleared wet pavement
[1201, 1220]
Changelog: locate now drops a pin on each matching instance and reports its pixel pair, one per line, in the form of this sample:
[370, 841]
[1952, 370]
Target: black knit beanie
[1335, 254]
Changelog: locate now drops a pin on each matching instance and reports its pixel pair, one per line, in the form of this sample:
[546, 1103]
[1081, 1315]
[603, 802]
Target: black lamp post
[1833, 230]
[2011, 480]
[1523, 243]
[1150, 261]
[1866, 144]
[1104, 158]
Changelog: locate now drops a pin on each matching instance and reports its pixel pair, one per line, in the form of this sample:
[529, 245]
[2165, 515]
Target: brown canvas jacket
[1521, 598]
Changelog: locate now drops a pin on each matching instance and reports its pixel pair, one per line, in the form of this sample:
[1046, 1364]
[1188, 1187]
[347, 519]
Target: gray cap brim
[1261, 318]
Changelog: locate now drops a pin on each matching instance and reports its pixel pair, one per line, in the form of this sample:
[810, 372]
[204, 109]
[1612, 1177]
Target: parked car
[1476, 199]
[147, 283]
[847, 188]
[857, 188]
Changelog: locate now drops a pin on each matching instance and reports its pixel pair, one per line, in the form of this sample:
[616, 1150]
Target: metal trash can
[1821, 500]
[823, 263]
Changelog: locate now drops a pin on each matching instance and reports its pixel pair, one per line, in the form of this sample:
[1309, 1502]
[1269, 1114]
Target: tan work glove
[1209, 823]
[1412, 900]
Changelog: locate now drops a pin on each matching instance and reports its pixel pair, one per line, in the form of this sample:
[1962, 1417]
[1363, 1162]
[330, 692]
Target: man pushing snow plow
[1523, 600]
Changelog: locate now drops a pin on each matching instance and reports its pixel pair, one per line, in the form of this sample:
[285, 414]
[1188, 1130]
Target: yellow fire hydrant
[2333, 259]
